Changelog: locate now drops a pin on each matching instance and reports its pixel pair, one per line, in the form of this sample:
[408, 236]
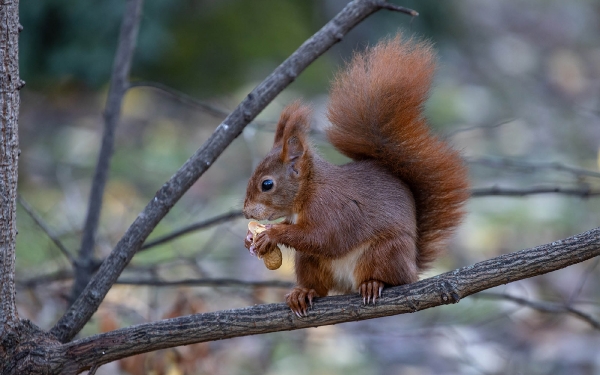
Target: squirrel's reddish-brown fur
[378, 220]
[376, 108]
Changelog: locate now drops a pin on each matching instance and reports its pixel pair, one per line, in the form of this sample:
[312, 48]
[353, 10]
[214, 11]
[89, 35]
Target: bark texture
[23, 346]
[10, 83]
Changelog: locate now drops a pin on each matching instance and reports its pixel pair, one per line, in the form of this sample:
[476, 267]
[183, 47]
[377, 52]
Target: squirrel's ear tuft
[292, 130]
[294, 119]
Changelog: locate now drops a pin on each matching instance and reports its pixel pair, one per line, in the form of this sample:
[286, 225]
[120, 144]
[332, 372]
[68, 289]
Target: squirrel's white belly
[342, 270]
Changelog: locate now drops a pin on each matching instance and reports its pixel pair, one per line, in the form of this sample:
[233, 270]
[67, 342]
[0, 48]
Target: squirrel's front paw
[296, 300]
[263, 244]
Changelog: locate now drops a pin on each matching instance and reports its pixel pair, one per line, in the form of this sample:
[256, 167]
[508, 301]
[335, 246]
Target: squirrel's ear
[294, 132]
[291, 115]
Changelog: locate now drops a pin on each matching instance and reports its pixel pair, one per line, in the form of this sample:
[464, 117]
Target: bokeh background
[517, 90]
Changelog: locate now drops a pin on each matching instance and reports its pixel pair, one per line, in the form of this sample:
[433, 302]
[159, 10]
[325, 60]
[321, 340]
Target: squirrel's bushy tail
[376, 109]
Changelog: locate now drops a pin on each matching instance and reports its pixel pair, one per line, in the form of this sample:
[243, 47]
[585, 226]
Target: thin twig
[532, 166]
[548, 307]
[582, 281]
[222, 282]
[181, 97]
[118, 87]
[397, 8]
[475, 127]
[583, 192]
[193, 227]
[32, 282]
[190, 101]
[45, 228]
[65, 275]
[86, 304]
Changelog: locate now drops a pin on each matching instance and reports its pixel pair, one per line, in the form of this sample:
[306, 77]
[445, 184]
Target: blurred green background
[523, 76]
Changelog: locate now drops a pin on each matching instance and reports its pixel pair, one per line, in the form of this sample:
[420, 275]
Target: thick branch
[118, 86]
[10, 84]
[87, 303]
[447, 288]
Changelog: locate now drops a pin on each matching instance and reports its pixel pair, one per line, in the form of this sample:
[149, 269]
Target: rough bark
[23, 347]
[10, 83]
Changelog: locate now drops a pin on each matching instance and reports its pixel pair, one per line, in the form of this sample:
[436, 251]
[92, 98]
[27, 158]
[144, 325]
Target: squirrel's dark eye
[267, 185]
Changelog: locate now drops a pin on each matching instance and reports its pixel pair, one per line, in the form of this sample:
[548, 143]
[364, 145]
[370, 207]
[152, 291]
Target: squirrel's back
[376, 109]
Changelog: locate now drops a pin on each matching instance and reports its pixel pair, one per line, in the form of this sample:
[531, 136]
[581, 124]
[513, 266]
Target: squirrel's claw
[264, 244]
[370, 290]
[296, 300]
[248, 243]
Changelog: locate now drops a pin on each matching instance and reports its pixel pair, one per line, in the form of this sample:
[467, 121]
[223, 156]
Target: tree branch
[531, 166]
[207, 282]
[34, 281]
[10, 83]
[183, 98]
[216, 282]
[447, 288]
[475, 127]
[87, 303]
[553, 308]
[193, 227]
[118, 87]
[49, 232]
[583, 192]
[189, 100]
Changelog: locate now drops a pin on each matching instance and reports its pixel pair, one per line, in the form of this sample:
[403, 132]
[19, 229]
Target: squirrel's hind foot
[297, 298]
[370, 290]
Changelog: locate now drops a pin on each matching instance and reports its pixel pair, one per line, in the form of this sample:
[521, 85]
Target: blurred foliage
[207, 47]
[530, 67]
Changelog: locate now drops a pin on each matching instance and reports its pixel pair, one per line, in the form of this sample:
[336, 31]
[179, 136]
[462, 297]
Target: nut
[271, 259]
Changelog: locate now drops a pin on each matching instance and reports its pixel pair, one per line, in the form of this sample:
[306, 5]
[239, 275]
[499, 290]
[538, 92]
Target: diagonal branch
[447, 288]
[181, 97]
[49, 232]
[193, 227]
[188, 100]
[89, 300]
[118, 86]
[553, 308]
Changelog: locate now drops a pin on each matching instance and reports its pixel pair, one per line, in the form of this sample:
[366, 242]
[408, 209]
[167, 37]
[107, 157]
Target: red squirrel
[380, 219]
